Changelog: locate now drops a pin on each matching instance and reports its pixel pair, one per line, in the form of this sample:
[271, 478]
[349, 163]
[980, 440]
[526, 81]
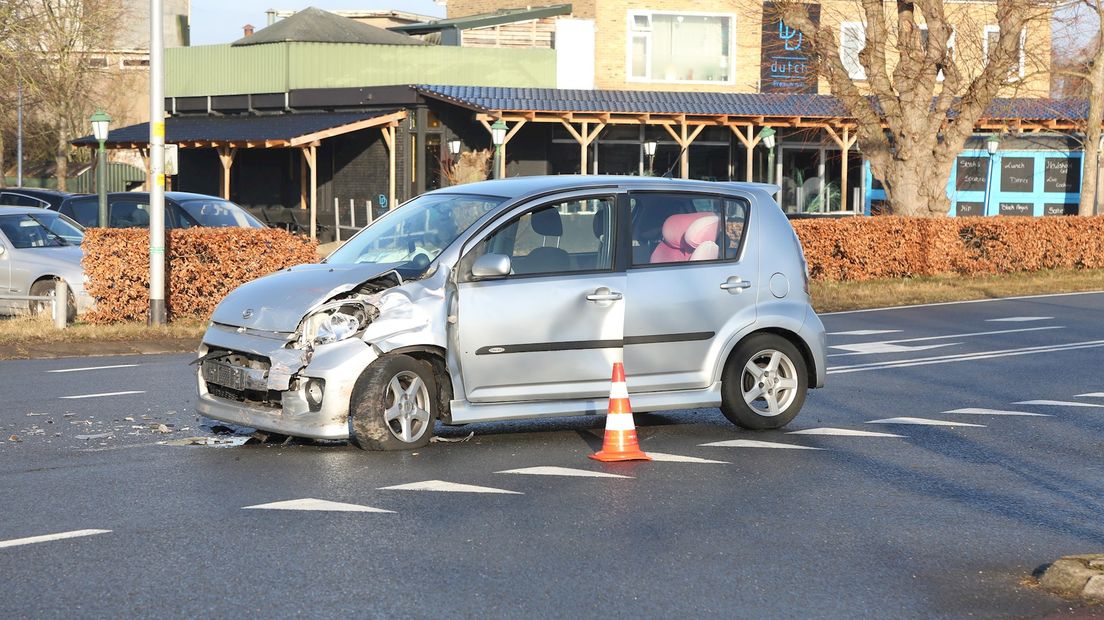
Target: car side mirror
[491, 266]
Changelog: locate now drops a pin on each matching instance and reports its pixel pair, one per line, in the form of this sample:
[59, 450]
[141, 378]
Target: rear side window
[677, 227]
[86, 211]
[19, 200]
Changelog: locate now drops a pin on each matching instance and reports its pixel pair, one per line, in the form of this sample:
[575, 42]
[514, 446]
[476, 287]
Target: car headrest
[547, 222]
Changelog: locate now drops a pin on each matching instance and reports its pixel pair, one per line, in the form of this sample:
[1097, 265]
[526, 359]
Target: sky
[221, 21]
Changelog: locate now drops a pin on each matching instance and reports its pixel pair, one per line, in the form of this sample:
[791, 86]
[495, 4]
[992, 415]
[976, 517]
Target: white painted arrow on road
[1057, 403]
[754, 443]
[982, 411]
[446, 487]
[922, 422]
[561, 471]
[310, 503]
[841, 432]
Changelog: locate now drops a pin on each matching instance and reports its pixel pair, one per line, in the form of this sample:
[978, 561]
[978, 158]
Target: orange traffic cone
[620, 442]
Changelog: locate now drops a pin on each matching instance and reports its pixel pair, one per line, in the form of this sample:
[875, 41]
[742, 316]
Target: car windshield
[214, 212]
[416, 232]
[40, 230]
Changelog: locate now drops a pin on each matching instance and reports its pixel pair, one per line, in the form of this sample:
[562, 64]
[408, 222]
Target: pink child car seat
[688, 236]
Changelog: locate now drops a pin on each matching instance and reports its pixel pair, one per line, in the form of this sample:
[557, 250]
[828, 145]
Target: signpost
[157, 167]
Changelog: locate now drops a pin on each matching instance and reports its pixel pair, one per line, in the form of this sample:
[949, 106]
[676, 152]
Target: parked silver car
[37, 246]
[512, 299]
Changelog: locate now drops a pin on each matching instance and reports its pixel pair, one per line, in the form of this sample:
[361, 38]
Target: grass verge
[840, 296]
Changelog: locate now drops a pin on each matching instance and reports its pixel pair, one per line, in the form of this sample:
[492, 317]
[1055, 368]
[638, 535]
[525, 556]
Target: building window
[852, 41]
[684, 47]
[135, 62]
[992, 40]
[97, 62]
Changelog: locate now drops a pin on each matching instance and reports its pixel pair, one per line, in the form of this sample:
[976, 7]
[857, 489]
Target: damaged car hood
[278, 302]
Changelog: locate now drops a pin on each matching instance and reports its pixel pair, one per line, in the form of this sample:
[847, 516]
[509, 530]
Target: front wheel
[394, 405]
[764, 383]
[46, 288]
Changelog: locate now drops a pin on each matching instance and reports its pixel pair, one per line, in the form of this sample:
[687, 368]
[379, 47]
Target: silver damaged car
[512, 299]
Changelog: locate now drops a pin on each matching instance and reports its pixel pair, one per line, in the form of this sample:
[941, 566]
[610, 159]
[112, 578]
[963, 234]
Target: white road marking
[841, 432]
[1019, 319]
[94, 368]
[865, 332]
[953, 303]
[1091, 395]
[102, 394]
[48, 537]
[981, 411]
[869, 348]
[754, 443]
[678, 458]
[1057, 403]
[309, 503]
[447, 487]
[966, 357]
[922, 422]
[561, 471]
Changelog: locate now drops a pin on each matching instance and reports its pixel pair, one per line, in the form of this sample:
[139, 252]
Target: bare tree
[920, 96]
[1085, 75]
[55, 45]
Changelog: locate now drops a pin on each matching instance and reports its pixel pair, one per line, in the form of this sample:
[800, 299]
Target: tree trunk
[61, 160]
[1090, 165]
[908, 184]
[3, 168]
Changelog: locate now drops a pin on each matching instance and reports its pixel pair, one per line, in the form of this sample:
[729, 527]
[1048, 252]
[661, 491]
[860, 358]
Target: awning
[268, 131]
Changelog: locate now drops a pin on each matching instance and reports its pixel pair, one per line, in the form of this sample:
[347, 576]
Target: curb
[1076, 576]
[97, 348]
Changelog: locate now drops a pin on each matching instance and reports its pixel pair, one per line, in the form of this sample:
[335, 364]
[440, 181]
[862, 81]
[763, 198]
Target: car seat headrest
[547, 222]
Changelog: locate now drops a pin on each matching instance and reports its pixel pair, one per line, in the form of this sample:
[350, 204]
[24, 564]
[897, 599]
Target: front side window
[670, 47]
[85, 210]
[677, 228]
[46, 230]
[414, 234]
[564, 237]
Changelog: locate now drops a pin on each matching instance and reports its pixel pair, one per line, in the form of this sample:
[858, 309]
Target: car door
[690, 287]
[6, 257]
[551, 328]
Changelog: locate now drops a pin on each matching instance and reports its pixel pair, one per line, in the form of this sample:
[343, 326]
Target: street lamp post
[498, 136]
[101, 122]
[992, 145]
[649, 150]
[767, 136]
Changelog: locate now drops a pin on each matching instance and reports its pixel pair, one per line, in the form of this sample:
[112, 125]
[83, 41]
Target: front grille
[270, 399]
[240, 377]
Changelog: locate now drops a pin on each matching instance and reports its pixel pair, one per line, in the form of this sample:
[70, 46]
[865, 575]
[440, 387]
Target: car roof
[517, 187]
[12, 210]
[37, 191]
[176, 196]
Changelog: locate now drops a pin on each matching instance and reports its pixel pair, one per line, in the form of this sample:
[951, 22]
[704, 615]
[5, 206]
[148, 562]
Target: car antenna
[667, 175]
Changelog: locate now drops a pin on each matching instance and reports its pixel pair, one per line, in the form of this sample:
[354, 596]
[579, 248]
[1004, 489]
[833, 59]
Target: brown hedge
[202, 265]
[864, 248]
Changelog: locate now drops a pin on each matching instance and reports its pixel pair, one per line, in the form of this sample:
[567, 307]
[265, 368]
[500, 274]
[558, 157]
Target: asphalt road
[933, 521]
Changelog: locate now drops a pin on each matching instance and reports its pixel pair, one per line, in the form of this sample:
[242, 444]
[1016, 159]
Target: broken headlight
[336, 321]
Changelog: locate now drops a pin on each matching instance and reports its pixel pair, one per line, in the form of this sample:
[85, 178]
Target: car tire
[393, 405]
[764, 383]
[45, 288]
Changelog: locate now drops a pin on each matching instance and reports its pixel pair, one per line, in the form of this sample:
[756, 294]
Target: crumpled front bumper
[339, 364]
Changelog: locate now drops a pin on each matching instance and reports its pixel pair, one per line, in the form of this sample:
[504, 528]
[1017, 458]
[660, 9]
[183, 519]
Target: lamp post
[1096, 190]
[454, 147]
[100, 124]
[448, 166]
[498, 136]
[992, 145]
[767, 136]
[649, 150]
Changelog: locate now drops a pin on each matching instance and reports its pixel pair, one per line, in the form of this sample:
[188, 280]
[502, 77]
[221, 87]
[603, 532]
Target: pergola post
[749, 142]
[845, 143]
[226, 156]
[505, 140]
[584, 138]
[310, 161]
[684, 138]
[388, 132]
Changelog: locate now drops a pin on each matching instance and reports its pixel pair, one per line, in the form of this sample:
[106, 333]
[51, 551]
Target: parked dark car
[182, 210]
[32, 197]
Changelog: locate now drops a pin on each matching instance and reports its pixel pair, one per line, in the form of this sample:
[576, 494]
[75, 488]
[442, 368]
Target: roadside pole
[157, 167]
[19, 138]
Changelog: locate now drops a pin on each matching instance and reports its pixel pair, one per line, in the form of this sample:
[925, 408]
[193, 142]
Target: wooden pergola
[228, 147]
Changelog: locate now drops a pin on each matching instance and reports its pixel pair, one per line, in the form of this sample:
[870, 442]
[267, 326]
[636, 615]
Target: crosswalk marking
[446, 487]
[561, 471]
[102, 394]
[841, 432]
[678, 458]
[754, 443]
[92, 368]
[1091, 395]
[865, 332]
[1057, 403]
[922, 422]
[48, 537]
[312, 504]
[983, 411]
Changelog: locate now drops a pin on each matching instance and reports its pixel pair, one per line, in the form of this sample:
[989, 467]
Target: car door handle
[735, 284]
[604, 294]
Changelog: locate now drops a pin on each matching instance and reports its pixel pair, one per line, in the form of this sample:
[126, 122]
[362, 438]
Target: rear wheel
[45, 288]
[764, 383]
[393, 406]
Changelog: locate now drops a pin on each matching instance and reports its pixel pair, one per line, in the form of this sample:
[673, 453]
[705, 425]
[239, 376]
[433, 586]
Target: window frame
[721, 258]
[631, 32]
[472, 249]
